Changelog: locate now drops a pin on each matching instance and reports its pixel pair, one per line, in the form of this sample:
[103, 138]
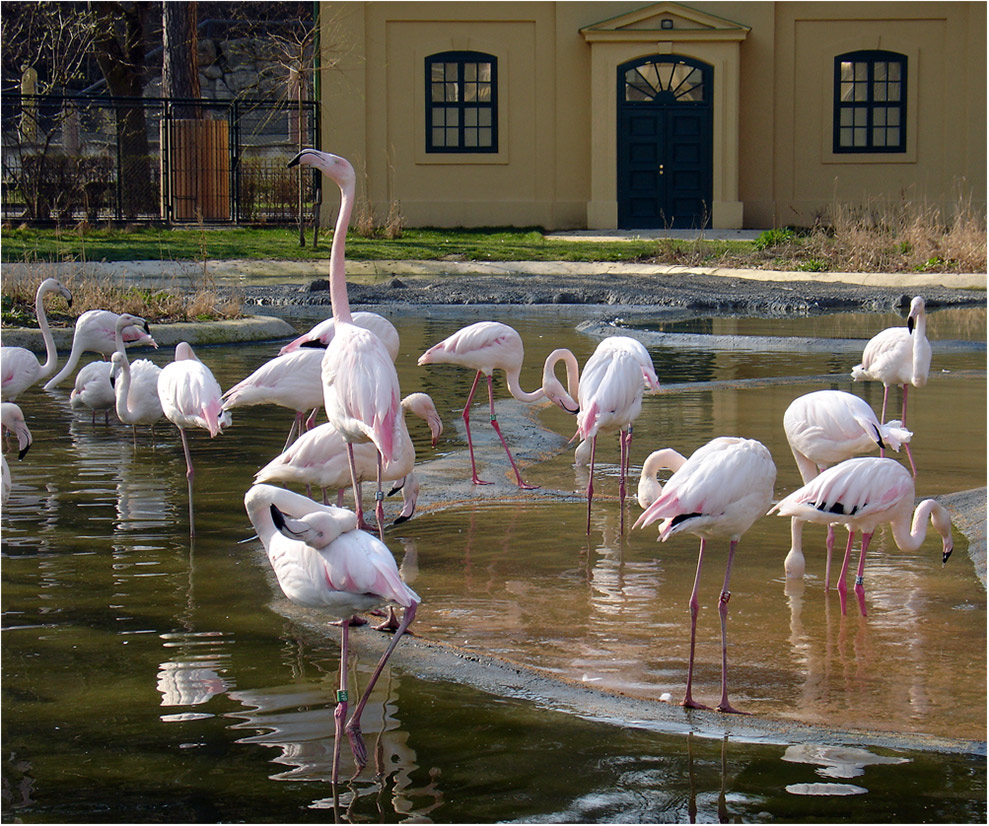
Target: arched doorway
[665, 136]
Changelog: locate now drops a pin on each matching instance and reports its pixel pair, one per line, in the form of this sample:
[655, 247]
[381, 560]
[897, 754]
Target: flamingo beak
[946, 553]
[910, 323]
[21, 454]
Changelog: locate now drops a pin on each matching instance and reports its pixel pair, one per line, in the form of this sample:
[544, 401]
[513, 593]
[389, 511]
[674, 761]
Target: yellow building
[599, 115]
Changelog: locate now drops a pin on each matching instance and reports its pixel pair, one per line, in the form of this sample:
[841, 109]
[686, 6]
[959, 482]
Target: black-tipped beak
[294, 161]
[945, 555]
[393, 491]
[313, 343]
[23, 453]
[879, 439]
[573, 412]
[147, 328]
[277, 517]
[399, 520]
[910, 324]
[69, 301]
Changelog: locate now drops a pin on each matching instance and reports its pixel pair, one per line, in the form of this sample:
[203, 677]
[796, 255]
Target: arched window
[666, 81]
[870, 102]
[461, 102]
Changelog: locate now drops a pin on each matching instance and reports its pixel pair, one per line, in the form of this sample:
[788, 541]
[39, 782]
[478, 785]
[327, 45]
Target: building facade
[570, 115]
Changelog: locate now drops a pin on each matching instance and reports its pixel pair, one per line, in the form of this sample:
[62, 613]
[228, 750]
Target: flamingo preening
[12, 419]
[487, 346]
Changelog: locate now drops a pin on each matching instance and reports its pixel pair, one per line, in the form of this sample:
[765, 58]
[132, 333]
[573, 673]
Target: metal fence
[72, 158]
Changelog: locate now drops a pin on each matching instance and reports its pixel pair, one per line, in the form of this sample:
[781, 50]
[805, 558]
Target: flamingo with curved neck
[19, 366]
[360, 384]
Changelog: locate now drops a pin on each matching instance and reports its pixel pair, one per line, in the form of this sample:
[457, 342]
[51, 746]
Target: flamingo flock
[323, 555]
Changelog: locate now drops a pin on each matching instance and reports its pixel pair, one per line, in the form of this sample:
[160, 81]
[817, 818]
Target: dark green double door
[664, 144]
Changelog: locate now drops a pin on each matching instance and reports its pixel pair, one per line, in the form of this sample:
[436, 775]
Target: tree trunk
[180, 57]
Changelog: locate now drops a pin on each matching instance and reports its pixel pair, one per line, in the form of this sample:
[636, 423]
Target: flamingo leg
[882, 416]
[906, 445]
[504, 444]
[590, 481]
[379, 507]
[358, 508]
[859, 576]
[354, 726]
[296, 426]
[311, 421]
[724, 705]
[470, 443]
[624, 445]
[340, 712]
[189, 473]
[688, 700]
[827, 565]
[842, 585]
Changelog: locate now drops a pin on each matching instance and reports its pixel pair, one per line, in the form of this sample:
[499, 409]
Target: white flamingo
[20, 367]
[822, 428]
[12, 419]
[319, 457]
[719, 491]
[135, 389]
[321, 334]
[610, 398]
[190, 397]
[861, 494]
[291, 380]
[322, 562]
[360, 384]
[898, 355]
[487, 346]
[96, 332]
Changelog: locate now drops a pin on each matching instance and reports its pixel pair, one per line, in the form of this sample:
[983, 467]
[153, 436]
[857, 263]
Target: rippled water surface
[147, 677]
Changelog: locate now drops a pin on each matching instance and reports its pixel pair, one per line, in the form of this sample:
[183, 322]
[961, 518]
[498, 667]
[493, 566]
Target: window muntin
[870, 101]
[461, 102]
[665, 81]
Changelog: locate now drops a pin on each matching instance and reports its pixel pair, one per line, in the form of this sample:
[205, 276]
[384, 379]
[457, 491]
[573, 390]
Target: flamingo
[95, 332]
[136, 392]
[319, 457]
[289, 380]
[20, 368]
[898, 355]
[322, 561]
[824, 427]
[321, 334]
[360, 383]
[719, 491]
[610, 399]
[190, 397]
[861, 494]
[488, 346]
[12, 419]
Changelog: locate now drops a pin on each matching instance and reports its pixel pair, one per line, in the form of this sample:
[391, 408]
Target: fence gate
[199, 170]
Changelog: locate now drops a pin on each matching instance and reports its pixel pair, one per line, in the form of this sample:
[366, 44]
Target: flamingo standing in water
[610, 399]
[488, 346]
[898, 355]
[822, 428]
[190, 397]
[12, 419]
[96, 332]
[360, 383]
[319, 457]
[719, 491]
[861, 494]
[20, 367]
[135, 388]
[322, 561]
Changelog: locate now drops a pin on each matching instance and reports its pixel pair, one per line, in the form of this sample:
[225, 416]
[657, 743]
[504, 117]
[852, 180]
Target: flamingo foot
[354, 622]
[727, 708]
[690, 702]
[390, 624]
[357, 745]
[527, 486]
[478, 481]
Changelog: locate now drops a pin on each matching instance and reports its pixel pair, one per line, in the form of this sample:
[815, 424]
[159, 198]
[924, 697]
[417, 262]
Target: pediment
[665, 21]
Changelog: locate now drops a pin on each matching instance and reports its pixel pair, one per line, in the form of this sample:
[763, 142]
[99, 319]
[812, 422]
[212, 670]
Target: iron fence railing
[71, 158]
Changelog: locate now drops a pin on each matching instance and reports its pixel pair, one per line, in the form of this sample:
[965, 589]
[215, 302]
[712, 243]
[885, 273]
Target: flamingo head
[917, 309]
[941, 522]
[53, 285]
[13, 420]
[422, 405]
[555, 392]
[318, 528]
[333, 166]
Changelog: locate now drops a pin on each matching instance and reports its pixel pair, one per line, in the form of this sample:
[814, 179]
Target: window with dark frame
[870, 102]
[462, 102]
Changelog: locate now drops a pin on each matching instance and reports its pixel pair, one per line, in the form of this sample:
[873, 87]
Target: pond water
[149, 677]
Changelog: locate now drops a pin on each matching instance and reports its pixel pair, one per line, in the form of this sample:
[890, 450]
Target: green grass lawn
[161, 244]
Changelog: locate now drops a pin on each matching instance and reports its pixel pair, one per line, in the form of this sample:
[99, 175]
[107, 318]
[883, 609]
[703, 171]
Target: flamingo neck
[912, 537]
[919, 337]
[121, 390]
[573, 369]
[512, 380]
[338, 264]
[51, 354]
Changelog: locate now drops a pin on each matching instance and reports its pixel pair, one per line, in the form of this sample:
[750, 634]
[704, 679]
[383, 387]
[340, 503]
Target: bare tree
[180, 55]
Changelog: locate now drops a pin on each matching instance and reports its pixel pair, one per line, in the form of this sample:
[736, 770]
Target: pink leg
[358, 506]
[354, 726]
[906, 445]
[688, 700]
[340, 712]
[311, 421]
[590, 481]
[295, 428]
[842, 585]
[724, 705]
[859, 576]
[379, 507]
[827, 565]
[189, 473]
[624, 443]
[504, 444]
[470, 443]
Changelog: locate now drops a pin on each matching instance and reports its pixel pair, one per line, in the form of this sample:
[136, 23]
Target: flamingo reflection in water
[322, 561]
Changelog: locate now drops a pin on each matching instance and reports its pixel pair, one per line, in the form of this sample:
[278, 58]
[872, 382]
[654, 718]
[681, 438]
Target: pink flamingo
[12, 419]
[190, 397]
[719, 491]
[321, 334]
[861, 494]
[488, 346]
[360, 383]
[96, 332]
[898, 355]
[291, 380]
[825, 427]
[322, 561]
[20, 367]
[319, 457]
[610, 399]
[135, 388]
